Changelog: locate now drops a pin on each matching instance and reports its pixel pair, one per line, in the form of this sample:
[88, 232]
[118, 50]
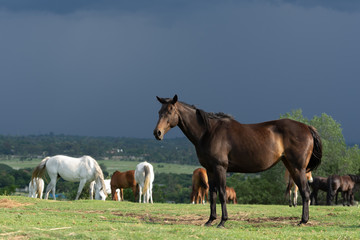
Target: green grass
[111, 165]
[85, 219]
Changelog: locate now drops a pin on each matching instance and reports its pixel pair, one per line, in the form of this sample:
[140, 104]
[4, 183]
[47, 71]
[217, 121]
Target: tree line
[177, 150]
[267, 187]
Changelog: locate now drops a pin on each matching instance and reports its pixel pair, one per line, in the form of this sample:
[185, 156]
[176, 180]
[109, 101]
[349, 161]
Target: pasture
[27, 218]
[111, 165]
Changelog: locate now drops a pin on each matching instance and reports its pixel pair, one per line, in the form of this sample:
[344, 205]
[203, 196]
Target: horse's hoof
[208, 224]
[301, 223]
[221, 225]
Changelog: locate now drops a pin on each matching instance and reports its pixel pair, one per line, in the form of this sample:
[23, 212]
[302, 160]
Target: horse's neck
[189, 124]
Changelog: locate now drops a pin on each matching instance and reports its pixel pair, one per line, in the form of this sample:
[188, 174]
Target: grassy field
[25, 218]
[111, 165]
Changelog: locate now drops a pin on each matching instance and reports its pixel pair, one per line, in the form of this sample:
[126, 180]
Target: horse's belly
[69, 178]
[250, 165]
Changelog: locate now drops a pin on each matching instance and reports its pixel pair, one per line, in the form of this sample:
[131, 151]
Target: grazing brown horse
[123, 180]
[292, 185]
[231, 195]
[345, 185]
[200, 186]
[225, 145]
[319, 183]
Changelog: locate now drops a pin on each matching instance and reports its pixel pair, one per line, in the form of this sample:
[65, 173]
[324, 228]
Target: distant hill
[176, 150]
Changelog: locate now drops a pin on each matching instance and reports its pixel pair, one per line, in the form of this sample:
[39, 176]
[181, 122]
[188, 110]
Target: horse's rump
[123, 179]
[39, 170]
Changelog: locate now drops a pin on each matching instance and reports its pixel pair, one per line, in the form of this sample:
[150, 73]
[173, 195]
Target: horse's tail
[204, 180]
[39, 171]
[99, 174]
[38, 187]
[147, 178]
[315, 159]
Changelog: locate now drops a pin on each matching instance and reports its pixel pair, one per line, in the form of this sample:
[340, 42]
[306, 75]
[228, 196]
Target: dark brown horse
[345, 185]
[318, 183]
[225, 145]
[291, 186]
[200, 186]
[231, 195]
[123, 180]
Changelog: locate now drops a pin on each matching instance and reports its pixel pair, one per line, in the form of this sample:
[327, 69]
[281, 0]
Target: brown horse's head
[168, 116]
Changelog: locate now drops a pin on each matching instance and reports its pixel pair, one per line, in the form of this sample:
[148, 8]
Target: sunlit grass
[22, 217]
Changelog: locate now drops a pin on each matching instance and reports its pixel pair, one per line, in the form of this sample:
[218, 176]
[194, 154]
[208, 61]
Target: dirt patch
[8, 203]
[167, 219]
[198, 220]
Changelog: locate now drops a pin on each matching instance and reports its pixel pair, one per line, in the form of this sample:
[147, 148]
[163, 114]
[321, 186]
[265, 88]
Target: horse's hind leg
[51, 186]
[140, 193]
[299, 177]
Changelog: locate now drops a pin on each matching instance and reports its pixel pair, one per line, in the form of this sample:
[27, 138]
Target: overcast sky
[94, 68]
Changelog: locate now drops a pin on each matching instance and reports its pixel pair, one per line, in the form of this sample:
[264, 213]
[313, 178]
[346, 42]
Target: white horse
[102, 195]
[144, 176]
[84, 169]
[36, 188]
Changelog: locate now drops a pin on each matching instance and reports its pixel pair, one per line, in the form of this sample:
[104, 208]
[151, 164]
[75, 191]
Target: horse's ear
[174, 100]
[161, 100]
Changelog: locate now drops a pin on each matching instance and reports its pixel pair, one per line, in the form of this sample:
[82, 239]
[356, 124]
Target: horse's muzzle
[158, 134]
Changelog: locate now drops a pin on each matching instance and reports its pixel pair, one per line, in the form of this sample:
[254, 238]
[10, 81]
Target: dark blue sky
[94, 67]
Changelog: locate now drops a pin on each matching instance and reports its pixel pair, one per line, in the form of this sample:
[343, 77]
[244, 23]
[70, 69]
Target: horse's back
[123, 179]
[250, 144]
[70, 168]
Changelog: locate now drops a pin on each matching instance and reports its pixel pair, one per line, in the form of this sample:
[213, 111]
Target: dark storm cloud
[95, 67]
[70, 6]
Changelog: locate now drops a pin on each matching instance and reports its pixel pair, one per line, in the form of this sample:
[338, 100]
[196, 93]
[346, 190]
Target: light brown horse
[291, 185]
[200, 186]
[123, 180]
[225, 145]
[231, 195]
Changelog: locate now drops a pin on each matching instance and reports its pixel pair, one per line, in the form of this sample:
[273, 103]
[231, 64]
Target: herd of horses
[222, 145]
[331, 185]
[86, 170]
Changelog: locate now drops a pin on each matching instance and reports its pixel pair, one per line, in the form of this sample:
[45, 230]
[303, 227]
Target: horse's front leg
[91, 190]
[212, 198]
[295, 196]
[221, 186]
[81, 186]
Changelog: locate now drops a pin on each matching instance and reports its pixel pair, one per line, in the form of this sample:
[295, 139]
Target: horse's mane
[205, 116]
[355, 178]
[211, 115]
